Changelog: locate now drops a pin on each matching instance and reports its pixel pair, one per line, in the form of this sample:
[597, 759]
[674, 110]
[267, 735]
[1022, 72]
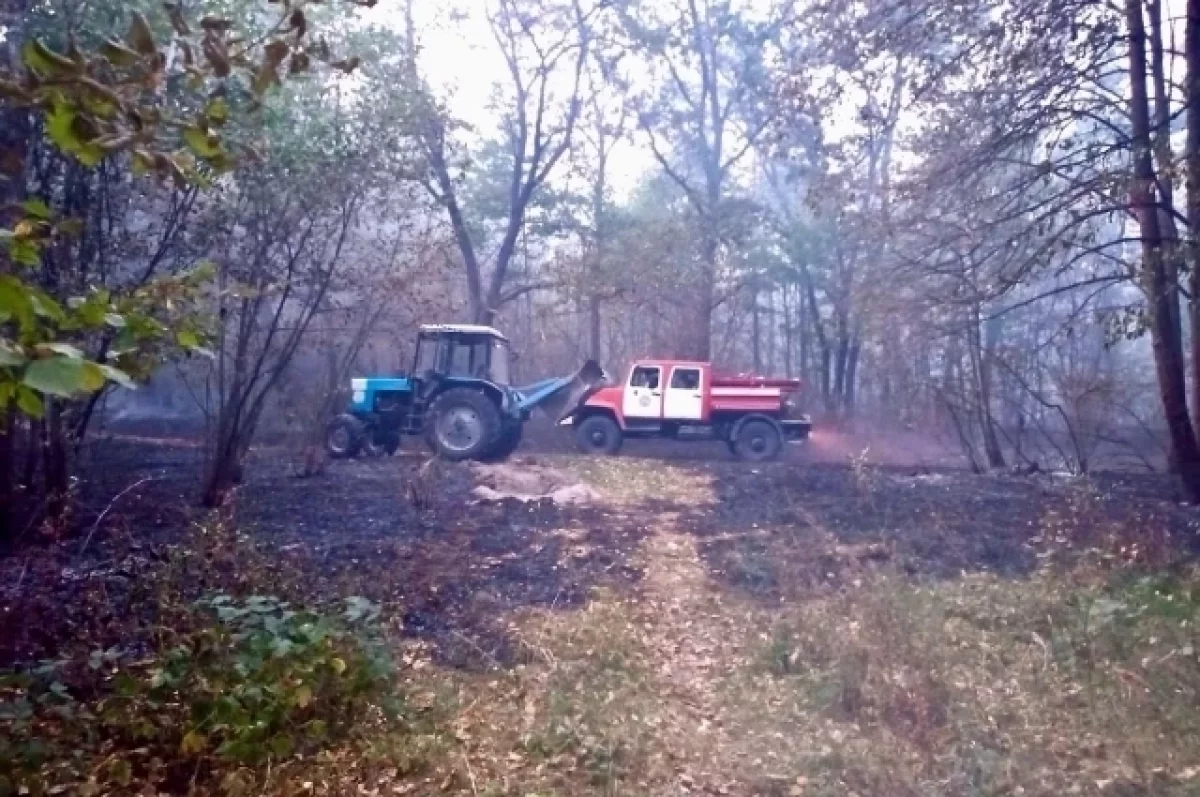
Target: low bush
[248, 684]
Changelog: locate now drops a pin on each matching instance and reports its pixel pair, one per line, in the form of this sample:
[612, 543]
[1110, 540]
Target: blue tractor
[457, 397]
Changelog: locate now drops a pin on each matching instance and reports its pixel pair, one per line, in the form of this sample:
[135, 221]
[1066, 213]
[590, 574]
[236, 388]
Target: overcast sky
[460, 57]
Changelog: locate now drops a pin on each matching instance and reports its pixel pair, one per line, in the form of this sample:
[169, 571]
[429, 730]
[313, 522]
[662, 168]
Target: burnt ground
[678, 530]
[453, 568]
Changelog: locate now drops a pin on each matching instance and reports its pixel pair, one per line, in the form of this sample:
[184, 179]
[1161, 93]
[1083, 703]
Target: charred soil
[696, 625]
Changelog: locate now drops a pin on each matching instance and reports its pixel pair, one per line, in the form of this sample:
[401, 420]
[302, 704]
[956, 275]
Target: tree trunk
[1168, 359]
[756, 333]
[991, 339]
[1165, 180]
[802, 329]
[841, 363]
[224, 469]
[14, 143]
[772, 333]
[789, 329]
[1192, 165]
[850, 394]
[54, 463]
[826, 381]
[594, 329]
[8, 455]
[698, 345]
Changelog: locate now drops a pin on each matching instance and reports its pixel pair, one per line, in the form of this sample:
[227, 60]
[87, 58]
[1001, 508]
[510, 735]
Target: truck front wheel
[757, 441]
[599, 434]
[463, 424]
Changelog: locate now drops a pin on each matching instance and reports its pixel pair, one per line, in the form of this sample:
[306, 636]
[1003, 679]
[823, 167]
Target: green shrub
[250, 682]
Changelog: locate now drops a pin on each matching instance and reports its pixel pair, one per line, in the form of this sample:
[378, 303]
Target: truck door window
[644, 377]
[685, 379]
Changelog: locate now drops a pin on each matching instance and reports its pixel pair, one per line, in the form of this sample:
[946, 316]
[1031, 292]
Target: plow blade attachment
[561, 396]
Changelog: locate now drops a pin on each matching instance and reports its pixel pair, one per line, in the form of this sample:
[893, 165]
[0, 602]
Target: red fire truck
[755, 416]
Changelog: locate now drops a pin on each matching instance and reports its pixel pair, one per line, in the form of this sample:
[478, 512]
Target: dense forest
[967, 228]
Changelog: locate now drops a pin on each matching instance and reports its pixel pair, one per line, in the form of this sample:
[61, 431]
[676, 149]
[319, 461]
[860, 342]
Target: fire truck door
[644, 394]
[685, 395]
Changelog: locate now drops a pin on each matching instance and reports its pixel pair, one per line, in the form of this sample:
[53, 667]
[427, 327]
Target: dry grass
[1081, 678]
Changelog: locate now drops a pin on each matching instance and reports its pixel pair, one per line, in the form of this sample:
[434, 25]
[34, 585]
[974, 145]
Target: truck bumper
[797, 430]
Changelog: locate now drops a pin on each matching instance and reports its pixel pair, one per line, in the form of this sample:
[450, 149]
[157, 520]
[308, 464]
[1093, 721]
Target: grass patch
[566, 720]
[1083, 682]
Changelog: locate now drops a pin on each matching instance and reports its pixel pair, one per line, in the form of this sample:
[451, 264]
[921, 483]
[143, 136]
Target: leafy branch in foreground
[157, 108]
[142, 322]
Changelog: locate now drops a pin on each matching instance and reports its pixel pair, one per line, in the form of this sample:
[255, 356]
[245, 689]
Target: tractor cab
[461, 351]
[459, 397]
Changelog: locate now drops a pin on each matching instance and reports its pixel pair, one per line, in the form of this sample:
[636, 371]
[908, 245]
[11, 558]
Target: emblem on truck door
[644, 401]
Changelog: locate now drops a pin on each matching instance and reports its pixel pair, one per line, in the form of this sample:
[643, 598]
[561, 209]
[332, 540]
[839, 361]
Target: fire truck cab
[685, 400]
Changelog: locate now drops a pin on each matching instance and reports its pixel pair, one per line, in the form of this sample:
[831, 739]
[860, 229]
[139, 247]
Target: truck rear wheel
[344, 437]
[757, 441]
[463, 424]
[599, 434]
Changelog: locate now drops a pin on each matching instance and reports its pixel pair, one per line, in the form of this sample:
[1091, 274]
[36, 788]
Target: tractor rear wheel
[599, 434]
[757, 441]
[463, 424]
[344, 437]
[506, 444]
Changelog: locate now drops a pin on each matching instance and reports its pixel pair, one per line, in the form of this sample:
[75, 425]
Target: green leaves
[59, 126]
[45, 360]
[188, 339]
[37, 209]
[202, 143]
[10, 355]
[29, 402]
[45, 62]
[24, 252]
[217, 111]
[64, 376]
[117, 375]
[111, 100]
[73, 134]
[193, 742]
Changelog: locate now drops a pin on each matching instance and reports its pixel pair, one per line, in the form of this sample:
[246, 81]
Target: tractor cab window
[469, 357]
[427, 355]
[499, 361]
[644, 376]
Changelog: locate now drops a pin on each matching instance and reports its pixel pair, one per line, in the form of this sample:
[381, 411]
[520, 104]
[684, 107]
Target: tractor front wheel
[463, 424]
[757, 441]
[599, 434]
[344, 437]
